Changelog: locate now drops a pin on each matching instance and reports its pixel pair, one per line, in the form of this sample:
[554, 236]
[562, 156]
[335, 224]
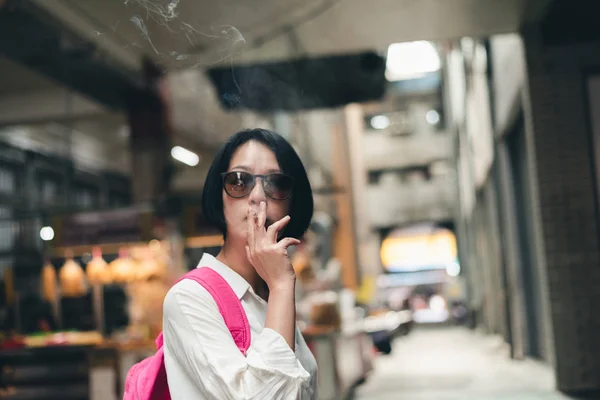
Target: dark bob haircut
[301, 207]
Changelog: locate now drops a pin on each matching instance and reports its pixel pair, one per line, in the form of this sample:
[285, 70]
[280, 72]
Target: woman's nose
[257, 194]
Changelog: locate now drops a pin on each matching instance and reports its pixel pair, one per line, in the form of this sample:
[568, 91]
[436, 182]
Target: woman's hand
[269, 256]
[270, 259]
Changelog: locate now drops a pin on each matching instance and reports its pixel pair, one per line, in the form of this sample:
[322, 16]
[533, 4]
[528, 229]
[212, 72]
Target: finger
[276, 227]
[287, 242]
[248, 255]
[251, 226]
[262, 214]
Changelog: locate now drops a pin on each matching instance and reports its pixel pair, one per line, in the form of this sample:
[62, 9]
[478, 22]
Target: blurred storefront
[101, 216]
[423, 270]
[100, 290]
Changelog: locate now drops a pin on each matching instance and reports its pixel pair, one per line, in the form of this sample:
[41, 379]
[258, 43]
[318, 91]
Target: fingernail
[262, 204]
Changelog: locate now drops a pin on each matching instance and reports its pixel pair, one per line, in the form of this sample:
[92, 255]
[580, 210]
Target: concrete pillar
[561, 139]
[497, 296]
[511, 255]
[511, 101]
[150, 138]
[344, 241]
[355, 130]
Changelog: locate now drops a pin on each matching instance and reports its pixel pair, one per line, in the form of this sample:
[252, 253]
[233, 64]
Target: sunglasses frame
[262, 180]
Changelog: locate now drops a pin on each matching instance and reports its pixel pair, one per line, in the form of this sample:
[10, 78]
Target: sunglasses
[238, 184]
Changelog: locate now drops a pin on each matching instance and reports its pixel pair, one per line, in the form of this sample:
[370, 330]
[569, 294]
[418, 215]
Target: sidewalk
[455, 364]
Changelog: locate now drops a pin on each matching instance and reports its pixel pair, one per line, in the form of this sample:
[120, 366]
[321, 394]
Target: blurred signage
[413, 279]
[418, 249]
[104, 227]
[301, 84]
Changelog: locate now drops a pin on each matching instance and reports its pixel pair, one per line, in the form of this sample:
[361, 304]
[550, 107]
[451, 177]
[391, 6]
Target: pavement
[453, 363]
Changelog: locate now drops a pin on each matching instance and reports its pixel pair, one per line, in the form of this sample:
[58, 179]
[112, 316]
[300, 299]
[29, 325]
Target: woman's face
[255, 158]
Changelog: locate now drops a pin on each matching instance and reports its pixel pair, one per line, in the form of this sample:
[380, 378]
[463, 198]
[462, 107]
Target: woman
[257, 193]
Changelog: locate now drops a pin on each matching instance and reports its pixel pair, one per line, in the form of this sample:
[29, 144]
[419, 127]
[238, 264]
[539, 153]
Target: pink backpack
[147, 380]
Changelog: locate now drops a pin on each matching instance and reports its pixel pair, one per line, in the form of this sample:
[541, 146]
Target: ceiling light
[432, 117]
[453, 269]
[47, 233]
[380, 122]
[185, 156]
[411, 60]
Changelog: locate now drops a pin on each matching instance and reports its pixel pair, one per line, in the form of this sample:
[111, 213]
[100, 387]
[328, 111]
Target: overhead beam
[33, 37]
[49, 106]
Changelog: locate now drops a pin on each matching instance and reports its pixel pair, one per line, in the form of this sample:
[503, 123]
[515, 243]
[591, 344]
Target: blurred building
[522, 113]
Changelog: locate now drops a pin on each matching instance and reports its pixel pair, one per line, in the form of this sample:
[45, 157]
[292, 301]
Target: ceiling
[185, 33]
[189, 36]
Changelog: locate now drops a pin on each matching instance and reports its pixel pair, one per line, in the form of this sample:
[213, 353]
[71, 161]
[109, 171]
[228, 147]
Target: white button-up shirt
[203, 361]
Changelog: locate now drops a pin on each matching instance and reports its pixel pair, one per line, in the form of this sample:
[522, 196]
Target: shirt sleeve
[197, 338]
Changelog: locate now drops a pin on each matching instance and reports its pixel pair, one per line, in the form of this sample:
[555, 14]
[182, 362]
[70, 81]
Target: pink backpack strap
[228, 303]
[147, 380]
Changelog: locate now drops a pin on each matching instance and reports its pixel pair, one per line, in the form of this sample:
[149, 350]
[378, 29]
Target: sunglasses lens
[278, 186]
[237, 183]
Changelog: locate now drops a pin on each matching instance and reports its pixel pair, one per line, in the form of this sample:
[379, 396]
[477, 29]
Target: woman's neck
[234, 256]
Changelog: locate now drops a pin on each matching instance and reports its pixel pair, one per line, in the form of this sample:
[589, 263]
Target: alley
[456, 364]
[386, 165]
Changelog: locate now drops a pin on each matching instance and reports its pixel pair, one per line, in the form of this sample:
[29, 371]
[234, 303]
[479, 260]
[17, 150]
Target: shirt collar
[239, 285]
